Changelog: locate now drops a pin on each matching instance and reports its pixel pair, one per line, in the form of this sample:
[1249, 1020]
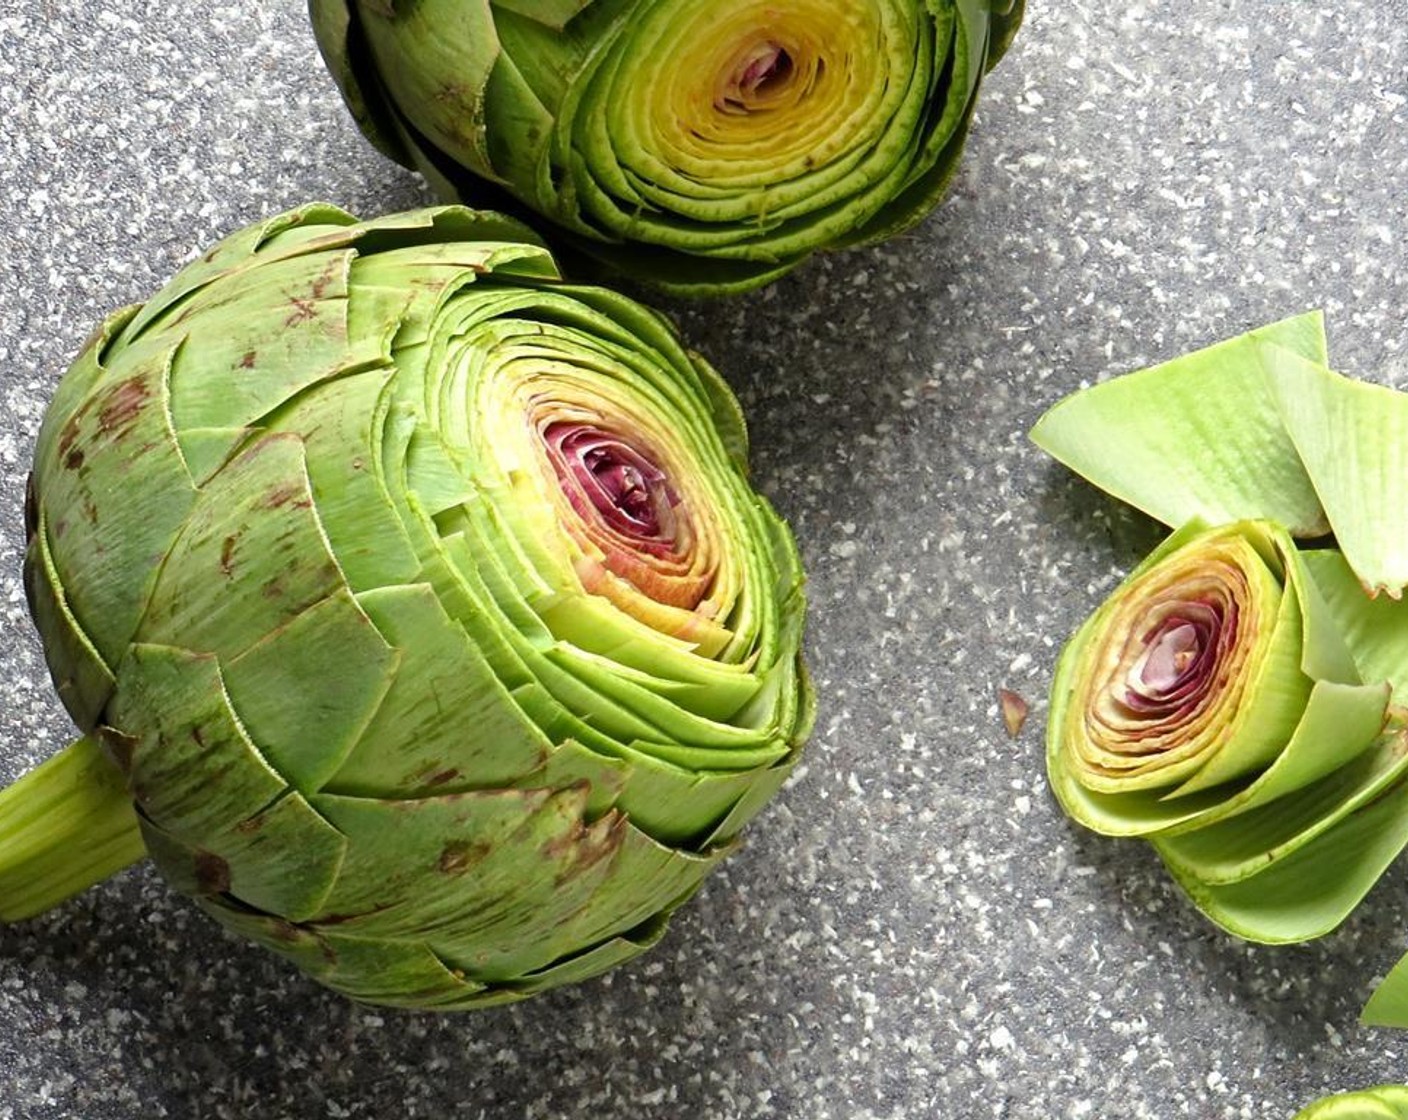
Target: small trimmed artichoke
[418, 601]
[1239, 699]
[697, 145]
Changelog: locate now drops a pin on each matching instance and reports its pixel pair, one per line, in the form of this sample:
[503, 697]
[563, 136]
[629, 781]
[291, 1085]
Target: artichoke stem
[64, 826]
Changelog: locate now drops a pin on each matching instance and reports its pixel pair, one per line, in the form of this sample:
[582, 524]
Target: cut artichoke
[699, 145]
[420, 602]
[1239, 699]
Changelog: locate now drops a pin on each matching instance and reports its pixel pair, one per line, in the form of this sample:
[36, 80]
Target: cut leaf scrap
[1199, 436]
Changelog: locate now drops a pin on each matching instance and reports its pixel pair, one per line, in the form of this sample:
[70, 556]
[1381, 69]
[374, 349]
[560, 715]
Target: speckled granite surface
[913, 930]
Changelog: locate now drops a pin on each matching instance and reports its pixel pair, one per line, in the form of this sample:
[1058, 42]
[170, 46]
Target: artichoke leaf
[81, 677]
[1375, 631]
[307, 691]
[192, 769]
[1388, 1005]
[447, 721]
[1313, 889]
[121, 430]
[1353, 439]
[283, 859]
[1384, 1102]
[254, 536]
[1198, 436]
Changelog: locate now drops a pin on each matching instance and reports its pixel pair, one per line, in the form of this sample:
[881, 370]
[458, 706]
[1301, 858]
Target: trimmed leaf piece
[1196, 437]
[1353, 439]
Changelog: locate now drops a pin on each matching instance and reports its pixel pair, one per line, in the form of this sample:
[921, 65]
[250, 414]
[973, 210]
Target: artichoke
[1213, 706]
[414, 606]
[1239, 699]
[1383, 1102]
[697, 145]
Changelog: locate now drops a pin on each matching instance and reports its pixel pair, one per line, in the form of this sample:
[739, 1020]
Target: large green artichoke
[418, 600]
[699, 145]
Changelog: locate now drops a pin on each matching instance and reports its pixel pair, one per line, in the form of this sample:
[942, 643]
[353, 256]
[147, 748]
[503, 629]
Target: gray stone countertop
[913, 929]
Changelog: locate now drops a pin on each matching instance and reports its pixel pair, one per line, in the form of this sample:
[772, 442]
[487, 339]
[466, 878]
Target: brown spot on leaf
[247, 362]
[74, 459]
[304, 311]
[441, 778]
[286, 493]
[459, 855]
[587, 845]
[251, 825]
[68, 433]
[120, 747]
[123, 405]
[212, 873]
[227, 556]
[31, 509]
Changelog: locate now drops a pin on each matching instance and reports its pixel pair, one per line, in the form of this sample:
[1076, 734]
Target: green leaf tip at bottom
[1382, 1102]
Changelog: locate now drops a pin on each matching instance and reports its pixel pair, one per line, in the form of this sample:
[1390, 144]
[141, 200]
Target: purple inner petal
[767, 65]
[630, 493]
[1178, 660]
[772, 64]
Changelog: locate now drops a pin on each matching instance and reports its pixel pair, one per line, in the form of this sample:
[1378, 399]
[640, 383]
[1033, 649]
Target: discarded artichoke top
[419, 602]
[1239, 699]
[700, 145]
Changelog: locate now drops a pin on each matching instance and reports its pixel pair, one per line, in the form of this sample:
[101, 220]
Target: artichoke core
[1177, 661]
[599, 471]
[764, 67]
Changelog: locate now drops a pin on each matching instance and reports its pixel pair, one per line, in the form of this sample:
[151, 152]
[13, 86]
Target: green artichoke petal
[192, 769]
[1313, 889]
[251, 244]
[257, 510]
[81, 676]
[1268, 821]
[283, 859]
[1198, 436]
[1353, 439]
[307, 691]
[447, 721]
[121, 431]
[1384, 1102]
[437, 55]
[391, 973]
[1375, 631]
[1388, 1005]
